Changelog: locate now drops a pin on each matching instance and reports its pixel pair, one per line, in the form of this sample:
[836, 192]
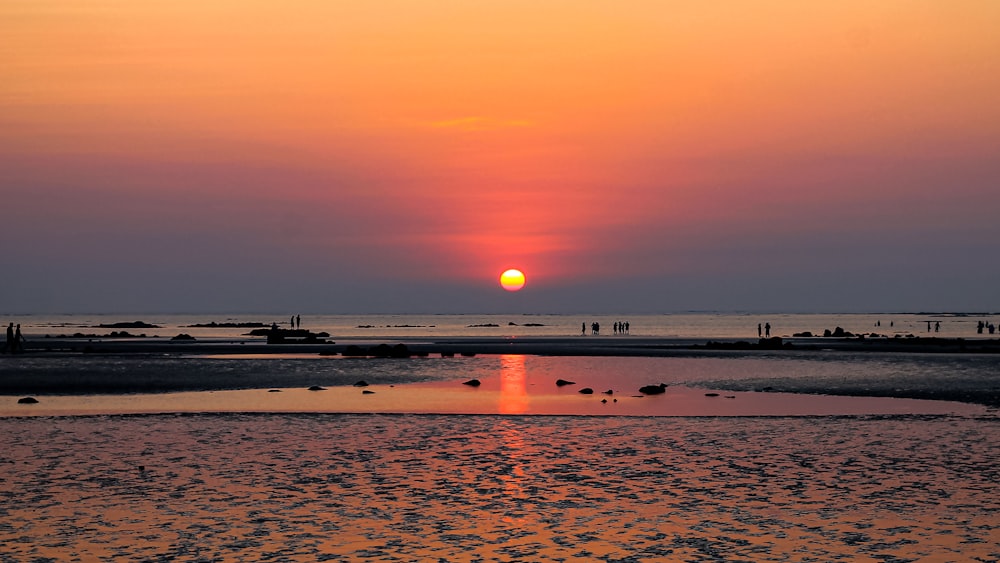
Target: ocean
[686, 325]
[770, 456]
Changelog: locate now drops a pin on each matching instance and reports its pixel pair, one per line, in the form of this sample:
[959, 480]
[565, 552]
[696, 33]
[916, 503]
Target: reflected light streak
[513, 391]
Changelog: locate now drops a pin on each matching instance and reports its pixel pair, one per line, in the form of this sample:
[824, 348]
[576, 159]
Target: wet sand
[499, 488]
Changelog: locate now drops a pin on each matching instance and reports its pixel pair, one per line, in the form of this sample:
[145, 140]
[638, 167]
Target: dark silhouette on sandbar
[653, 389]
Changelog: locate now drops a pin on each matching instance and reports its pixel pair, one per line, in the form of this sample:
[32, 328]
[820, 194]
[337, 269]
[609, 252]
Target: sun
[512, 280]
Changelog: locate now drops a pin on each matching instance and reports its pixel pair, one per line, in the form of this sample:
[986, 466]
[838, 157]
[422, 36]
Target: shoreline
[631, 346]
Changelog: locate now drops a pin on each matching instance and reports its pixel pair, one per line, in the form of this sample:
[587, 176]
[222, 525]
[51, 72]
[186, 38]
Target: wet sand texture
[491, 488]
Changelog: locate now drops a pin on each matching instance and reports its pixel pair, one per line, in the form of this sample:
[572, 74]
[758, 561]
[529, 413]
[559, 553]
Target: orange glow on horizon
[580, 141]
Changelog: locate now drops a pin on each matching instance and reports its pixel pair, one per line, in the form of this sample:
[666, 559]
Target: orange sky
[575, 140]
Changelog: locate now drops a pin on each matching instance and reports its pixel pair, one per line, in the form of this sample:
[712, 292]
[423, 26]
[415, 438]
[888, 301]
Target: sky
[395, 156]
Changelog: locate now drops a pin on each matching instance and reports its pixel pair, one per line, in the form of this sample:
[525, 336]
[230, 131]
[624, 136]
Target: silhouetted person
[8, 345]
[767, 330]
[626, 327]
[937, 326]
[760, 330]
[583, 329]
[298, 321]
[274, 335]
[18, 340]
[615, 327]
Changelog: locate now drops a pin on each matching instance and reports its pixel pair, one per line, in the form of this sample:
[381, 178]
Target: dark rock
[805, 334]
[563, 382]
[447, 354]
[317, 388]
[289, 335]
[609, 392]
[472, 383]
[653, 389]
[587, 391]
[183, 337]
[468, 354]
[367, 392]
[355, 351]
[773, 343]
[133, 324]
[711, 394]
[214, 324]
[27, 401]
[605, 401]
[361, 383]
[274, 390]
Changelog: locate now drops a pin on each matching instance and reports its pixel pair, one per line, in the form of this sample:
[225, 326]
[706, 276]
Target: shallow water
[683, 325]
[895, 374]
[509, 384]
[492, 488]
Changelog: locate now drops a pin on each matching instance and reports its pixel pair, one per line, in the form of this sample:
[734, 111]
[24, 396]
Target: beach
[235, 450]
[314, 487]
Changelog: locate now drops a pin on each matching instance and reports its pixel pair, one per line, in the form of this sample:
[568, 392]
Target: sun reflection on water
[513, 388]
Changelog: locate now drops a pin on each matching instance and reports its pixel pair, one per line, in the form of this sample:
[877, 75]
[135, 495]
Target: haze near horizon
[396, 157]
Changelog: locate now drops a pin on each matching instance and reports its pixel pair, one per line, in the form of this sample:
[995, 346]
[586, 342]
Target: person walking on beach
[583, 328]
[767, 330]
[8, 345]
[759, 330]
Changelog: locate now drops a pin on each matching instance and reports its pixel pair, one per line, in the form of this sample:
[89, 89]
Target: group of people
[15, 340]
[620, 327]
[983, 325]
[764, 331]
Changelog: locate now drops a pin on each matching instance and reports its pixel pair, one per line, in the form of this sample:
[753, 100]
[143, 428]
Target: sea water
[682, 325]
[320, 486]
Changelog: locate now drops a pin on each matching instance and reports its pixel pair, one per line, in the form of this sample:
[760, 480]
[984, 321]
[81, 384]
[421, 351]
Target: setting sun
[512, 280]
